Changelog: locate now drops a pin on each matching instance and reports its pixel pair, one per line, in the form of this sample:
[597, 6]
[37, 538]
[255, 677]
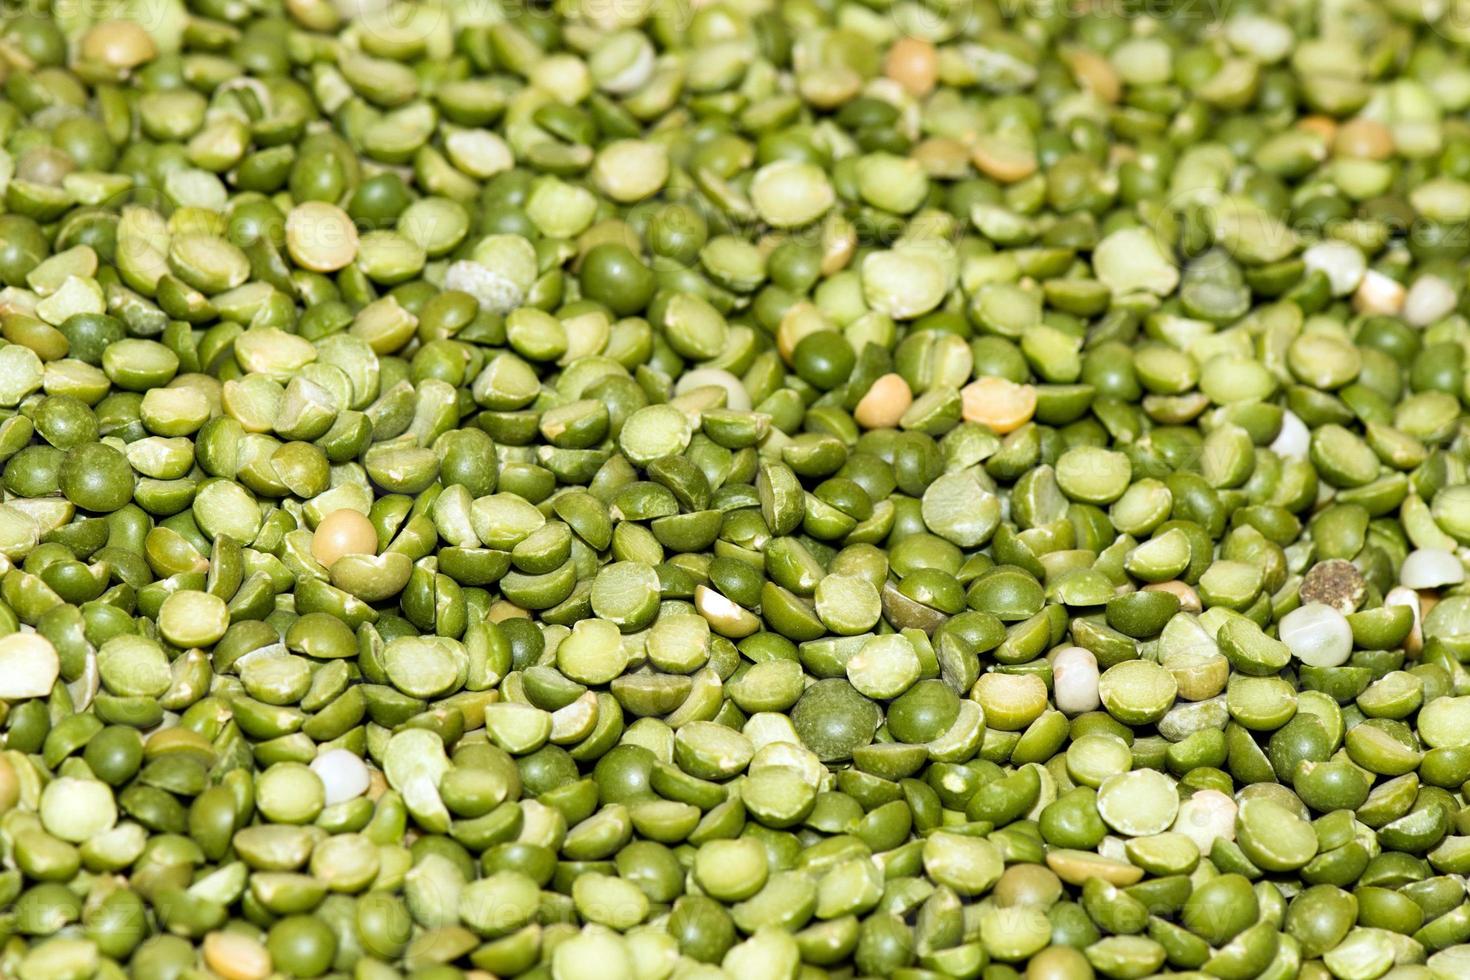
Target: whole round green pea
[35, 471]
[96, 477]
[22, 247]
[923, 712]
[114, 754]
[676, 231]
[254, 220]
[302, 946]
[614, 276]
[467, 458]
[65, 421]
[702, 928]
[622, 774]
[545, 769]
[379, 200]
[824, 359]
[318, 176]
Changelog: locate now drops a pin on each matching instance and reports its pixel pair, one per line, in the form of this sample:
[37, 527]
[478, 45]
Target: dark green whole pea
[265, 171]
[525, 640]
[545, 769]
[614, 276]
[532, 860]
[885, 945]
[120, 415]
[413, 295]
[795, 266]
[379, 200]
[318, 176]
[945, 321]
[772, 304]
[824, 359]
[1320, 917]
[65, 422]
[622, 775]
[846, 495]
[702, 928]
[1299, 740]
[88, 335]
[467, 457]
[1328, 786]
[83, 139]
[653, 868]
[447, 848]
[833, 719]
[1390, 335]
[916, 462]
[263, 53]
[27, 726]
[1109, 368]
[509, 188]
[96, 477]
[1439, 367]
[923, 713]
[507, 221]
[736, 580]
[676, 231]
[935, 588]
[257, 220]
[1072, 820]
[114, 754]
[446, 313]
[35, 471]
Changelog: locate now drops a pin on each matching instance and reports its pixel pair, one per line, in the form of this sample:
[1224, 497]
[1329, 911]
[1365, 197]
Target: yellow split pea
[321, 237]
[999, 403]
[343, 532]
[884, 404]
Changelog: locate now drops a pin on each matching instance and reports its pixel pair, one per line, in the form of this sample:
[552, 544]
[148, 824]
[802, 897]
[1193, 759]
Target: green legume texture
[683, 602]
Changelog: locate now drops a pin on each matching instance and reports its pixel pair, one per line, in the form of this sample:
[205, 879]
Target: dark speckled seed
[1336, 583]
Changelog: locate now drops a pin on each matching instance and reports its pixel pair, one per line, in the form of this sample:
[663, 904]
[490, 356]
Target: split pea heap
[641, 490]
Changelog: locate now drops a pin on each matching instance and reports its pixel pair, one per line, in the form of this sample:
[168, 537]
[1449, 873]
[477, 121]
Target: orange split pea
[999, 403]
[839, 244]
[1004, 159]
[343, 532]
[1366, 139]
[884, 403]
[912, 63]
[1323, 126]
